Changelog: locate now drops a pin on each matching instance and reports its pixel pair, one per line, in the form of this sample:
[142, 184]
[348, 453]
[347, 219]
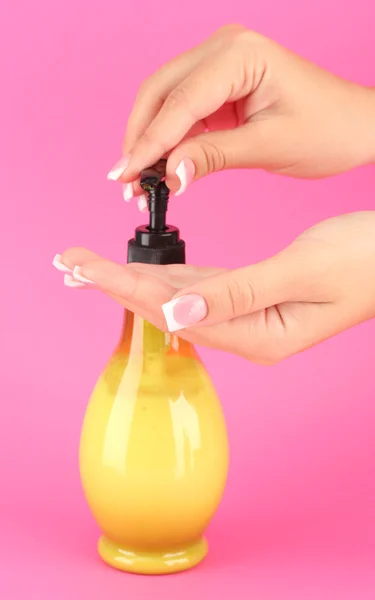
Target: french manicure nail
[59, 265]
[185, 172]
[142, 203]
[70, 281]
[184, 311]
[77, 274]
[127, 191]
[118, 169]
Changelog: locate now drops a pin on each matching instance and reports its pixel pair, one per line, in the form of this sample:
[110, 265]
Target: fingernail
[185, 172]
[184, 311]
[118, 169]
[127, 191]
[70, 281]
[59, 265]
[77, 274]
[142, 203]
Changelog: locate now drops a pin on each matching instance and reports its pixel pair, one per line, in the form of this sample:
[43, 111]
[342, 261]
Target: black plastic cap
[156, 243]
[169, 255]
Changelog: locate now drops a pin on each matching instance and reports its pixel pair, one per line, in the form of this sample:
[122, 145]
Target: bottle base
[151, 563]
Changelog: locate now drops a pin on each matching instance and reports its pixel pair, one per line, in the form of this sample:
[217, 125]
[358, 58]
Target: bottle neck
[139, 337]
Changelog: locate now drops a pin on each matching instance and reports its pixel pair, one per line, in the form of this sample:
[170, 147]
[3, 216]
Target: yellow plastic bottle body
[153, 453]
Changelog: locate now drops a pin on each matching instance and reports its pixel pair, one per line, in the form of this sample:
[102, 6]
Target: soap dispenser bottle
[153, 449]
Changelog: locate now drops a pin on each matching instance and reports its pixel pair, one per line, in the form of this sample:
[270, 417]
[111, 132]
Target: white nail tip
[127, 191]
[71, 282]
[142, 203]
[79, 277]
[118, 169]
[182, 175]
[114, 175]
[59, 265]
[167, 309]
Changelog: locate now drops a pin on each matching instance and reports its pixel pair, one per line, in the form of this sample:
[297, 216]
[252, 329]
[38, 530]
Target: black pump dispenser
[156, 243]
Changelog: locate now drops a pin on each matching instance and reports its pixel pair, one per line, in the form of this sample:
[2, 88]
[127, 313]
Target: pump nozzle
[152, 182]
[151, 177]
[157, 242]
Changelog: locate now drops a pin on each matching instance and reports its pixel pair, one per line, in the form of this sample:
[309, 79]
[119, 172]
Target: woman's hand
[323, 283]
[240, 100]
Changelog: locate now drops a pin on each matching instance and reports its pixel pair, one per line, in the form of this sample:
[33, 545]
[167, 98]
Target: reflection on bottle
[185, 423]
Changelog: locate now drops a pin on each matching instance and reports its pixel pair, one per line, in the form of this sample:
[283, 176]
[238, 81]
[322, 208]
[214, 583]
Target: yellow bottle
[153, 451]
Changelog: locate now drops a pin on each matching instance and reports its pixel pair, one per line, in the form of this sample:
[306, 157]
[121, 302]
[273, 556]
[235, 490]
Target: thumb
[235, 293]
[243, 147]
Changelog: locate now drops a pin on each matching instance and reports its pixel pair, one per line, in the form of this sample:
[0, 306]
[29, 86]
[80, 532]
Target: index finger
[201, 94]
[154, 91]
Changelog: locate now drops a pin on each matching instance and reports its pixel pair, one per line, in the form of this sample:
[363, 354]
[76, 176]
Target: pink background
[298, 518]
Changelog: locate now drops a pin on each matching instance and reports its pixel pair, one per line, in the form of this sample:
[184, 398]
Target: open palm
[313, 289]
